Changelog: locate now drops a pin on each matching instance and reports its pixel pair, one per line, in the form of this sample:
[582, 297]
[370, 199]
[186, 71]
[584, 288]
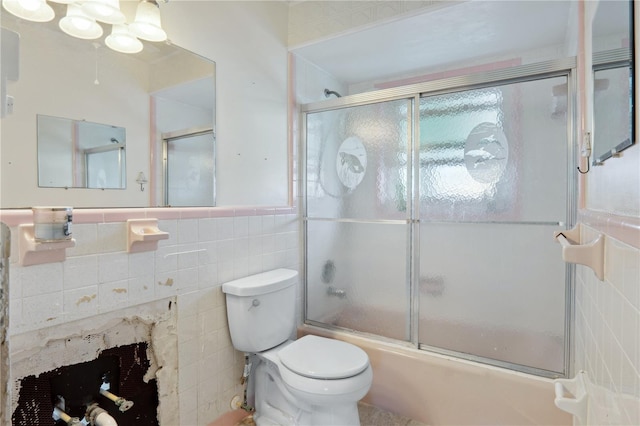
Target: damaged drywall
[47, 349]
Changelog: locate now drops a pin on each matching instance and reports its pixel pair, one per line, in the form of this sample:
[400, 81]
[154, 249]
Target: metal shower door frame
[537, 71]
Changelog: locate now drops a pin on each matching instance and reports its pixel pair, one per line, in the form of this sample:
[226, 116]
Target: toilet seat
[320, 391]
[317, 357]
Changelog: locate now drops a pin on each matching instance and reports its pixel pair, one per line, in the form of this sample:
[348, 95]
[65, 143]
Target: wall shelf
[143, 235]
[589, 254]
[34, 252]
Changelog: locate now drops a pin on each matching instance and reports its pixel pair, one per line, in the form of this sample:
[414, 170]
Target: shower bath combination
[431, 231]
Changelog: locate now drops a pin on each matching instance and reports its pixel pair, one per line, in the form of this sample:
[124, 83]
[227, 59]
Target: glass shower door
[189, 169]
[493, 171]
[358, 217]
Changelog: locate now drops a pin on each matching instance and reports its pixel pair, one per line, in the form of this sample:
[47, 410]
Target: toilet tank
[261, 309]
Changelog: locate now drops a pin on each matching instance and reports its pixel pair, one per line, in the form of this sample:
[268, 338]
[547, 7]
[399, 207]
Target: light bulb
[107, 11]
[78, 24]
[31, 10]
[121, 40]
[147, 22]
[30, 5]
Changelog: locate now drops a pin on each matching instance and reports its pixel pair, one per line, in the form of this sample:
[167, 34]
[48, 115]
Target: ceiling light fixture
[121, 40]
[147, 24]
[31, 10]
[79, 24]
[107, 11]
[81, 17]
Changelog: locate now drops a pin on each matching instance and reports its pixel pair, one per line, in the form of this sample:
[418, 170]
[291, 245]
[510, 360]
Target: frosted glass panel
[356, 161]
[190, 171]
[493, 188]
[502, 296]
[106, 169]
[357, 276]
[495, 154]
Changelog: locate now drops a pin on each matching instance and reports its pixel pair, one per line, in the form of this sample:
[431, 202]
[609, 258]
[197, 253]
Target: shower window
[430, 216]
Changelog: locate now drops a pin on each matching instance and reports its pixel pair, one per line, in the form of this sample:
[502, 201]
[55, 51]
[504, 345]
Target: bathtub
[440, 390]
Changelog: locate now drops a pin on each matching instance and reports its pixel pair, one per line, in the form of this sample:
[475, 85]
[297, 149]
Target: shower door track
[529, 72]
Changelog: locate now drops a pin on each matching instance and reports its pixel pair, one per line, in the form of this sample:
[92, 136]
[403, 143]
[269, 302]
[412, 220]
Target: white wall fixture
[31, 10]
[9, 67]
[571, 396]
[589, 254]
[81, 16]
[78, 24]
[147, 24]
[34, 252]
[143, 235]
[121, 40]
[107, 11]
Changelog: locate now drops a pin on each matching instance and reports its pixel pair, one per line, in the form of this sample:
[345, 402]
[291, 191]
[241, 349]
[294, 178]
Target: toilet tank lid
[265, 282]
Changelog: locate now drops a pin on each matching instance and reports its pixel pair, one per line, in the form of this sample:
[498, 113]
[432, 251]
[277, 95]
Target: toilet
[309, 381]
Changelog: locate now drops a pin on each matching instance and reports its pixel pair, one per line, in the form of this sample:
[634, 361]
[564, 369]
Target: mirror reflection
[69, 83]
[613, 79]
[80, 154]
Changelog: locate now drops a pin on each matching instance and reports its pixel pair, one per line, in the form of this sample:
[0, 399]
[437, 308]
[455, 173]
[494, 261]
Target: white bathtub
[440, 390]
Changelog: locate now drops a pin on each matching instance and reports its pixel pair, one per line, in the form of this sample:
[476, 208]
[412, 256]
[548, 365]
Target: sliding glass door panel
[493, 181]
[357, 161]
[357, 276]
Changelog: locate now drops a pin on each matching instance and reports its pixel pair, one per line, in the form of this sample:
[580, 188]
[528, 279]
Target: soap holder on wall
[571, 396]
[589, 254]
[34, 252]
[143, 235]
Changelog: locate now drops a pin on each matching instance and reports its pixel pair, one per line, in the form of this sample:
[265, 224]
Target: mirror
[613, 79]
[65, 82]
[79, 154]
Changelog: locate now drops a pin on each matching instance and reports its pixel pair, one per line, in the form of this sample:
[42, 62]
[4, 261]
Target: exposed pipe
[99, 417]
[122, 404]
[58, 414]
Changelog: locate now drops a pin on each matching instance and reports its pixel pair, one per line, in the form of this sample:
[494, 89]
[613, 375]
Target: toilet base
[276, 406]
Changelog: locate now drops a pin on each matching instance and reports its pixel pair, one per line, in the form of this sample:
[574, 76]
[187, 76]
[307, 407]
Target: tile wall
[201, 253]
[607, 333]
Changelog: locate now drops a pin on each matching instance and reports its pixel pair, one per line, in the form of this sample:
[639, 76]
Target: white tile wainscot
[206, 247]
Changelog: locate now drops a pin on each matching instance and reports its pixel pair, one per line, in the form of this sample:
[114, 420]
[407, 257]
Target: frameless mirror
[66, 86]
[80, 154]
[613, 79]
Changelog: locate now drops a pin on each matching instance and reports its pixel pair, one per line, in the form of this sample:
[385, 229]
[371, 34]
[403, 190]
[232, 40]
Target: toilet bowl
[310, 381]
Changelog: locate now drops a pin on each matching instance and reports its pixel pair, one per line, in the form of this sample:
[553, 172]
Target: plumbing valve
[122, 404]
[98, 416]
[58, 414]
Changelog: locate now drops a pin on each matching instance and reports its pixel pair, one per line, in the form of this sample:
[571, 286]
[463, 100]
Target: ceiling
[459, 31]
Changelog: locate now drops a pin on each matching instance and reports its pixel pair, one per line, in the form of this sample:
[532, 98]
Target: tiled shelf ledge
[623, 228]
[15, 217]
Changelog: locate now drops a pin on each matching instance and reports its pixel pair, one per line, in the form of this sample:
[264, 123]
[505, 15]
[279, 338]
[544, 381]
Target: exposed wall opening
[74, 389]
[131, 353]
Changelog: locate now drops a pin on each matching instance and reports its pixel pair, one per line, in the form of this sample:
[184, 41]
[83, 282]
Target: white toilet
[309, 381]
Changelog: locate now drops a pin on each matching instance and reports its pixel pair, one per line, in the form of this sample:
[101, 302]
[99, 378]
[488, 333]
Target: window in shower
[430, 218]
[189, 168]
